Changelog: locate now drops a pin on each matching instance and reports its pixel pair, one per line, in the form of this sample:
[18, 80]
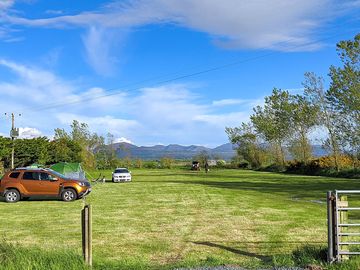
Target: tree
[273, 120]
[64, 150]
[303, 118]
[202, 157]
[344, 95]
[249, 146]
[87, 141]
[314, 92]
[29, 151]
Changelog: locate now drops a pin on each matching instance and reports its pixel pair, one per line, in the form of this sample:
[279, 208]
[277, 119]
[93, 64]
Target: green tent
[36, 165]
[70, 170]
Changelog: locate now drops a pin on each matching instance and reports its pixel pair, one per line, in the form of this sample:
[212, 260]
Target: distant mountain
[225, 151]
[175, 151]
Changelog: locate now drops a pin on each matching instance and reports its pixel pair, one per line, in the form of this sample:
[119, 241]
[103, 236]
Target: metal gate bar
[337, 223]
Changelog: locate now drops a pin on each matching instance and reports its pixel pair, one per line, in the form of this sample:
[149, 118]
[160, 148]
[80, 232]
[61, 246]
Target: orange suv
[23, 183]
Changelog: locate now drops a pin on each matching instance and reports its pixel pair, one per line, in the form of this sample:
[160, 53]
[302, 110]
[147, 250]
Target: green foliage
[273, 120]
[287, 120]
[344, 94]
[325, 166]
[303, 119]
[166, 162]
[30, 151]
[248, 144]
[151, 164]
[63, 150]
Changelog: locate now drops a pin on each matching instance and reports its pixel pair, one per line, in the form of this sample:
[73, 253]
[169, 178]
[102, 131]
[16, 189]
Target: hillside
[176, 151]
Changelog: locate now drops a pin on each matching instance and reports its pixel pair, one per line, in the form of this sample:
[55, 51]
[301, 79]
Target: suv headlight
[82, 184]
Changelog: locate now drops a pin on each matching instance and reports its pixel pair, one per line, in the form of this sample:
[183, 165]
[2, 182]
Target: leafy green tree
[344, 94]
[249, 146]
[273, 120]
[64, 150]
[314, 92]
[304, 119]
[87, 141]
[29, 151]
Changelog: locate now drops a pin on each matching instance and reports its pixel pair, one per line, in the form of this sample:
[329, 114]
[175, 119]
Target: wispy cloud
[229, 102]
[168, 113]
[29, 133]
[233, 23]
[100, 45]
[284, 25]
[5, 4]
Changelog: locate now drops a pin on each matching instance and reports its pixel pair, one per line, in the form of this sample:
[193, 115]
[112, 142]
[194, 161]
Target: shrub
[325, 166]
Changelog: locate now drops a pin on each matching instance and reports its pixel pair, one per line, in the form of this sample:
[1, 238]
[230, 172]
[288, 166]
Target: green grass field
[179, 218]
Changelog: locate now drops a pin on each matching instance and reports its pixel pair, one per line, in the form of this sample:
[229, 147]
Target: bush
[151, 164]
[244, 165]
[325, 166]
[273, 168]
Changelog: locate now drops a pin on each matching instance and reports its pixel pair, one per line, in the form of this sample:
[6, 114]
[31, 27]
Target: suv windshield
[121, 171]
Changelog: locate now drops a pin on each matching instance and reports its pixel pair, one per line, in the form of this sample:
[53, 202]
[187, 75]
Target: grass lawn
[175, 218]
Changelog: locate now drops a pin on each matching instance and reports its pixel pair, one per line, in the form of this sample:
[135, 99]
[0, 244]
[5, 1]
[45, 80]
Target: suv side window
[14, 175]
[31, 176]
[46, 176]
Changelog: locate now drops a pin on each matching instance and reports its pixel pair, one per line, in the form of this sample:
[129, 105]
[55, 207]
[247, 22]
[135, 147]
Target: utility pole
[14, 133]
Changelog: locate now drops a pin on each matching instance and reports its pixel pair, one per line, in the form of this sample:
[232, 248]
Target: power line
[184, 76]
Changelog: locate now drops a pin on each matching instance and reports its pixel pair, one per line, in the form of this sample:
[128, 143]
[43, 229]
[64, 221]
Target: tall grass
[14, 257]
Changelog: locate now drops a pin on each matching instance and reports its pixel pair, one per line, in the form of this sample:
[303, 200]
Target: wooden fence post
[86, 232]
[331, 227]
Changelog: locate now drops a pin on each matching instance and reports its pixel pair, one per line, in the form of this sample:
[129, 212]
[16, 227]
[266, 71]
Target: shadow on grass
[263, 258]
[296, 187]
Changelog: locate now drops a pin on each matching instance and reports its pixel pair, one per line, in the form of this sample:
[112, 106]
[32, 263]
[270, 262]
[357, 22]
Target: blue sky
[114, 64]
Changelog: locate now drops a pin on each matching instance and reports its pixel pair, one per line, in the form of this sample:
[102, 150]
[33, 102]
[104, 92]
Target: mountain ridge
[176, 151]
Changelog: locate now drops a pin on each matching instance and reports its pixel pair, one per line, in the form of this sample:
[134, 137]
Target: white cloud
[228, 102]
[29, 133]
[100, 44]
[100, 124]
[234, 24]
[169, 113]
[122, 140]
[54, 12]
[279, 25]
[5, 4]
[223, 120]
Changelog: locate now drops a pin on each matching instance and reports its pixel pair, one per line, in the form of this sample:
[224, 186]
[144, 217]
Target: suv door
[31, 182]
[49, 186]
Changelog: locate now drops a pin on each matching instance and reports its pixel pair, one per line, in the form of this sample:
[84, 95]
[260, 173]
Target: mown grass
[177, 218]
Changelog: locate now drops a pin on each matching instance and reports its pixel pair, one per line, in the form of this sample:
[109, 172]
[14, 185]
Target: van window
[14, 175]
[31, 176]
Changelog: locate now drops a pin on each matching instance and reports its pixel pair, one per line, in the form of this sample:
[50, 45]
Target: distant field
[173, 218]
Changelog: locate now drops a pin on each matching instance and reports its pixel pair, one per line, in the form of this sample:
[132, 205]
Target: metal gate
[343, 233]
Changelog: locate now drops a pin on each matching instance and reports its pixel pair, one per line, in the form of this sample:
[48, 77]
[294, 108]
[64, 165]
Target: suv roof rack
[30, 168]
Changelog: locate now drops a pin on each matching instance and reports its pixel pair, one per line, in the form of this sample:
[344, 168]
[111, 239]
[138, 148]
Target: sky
[160, 71]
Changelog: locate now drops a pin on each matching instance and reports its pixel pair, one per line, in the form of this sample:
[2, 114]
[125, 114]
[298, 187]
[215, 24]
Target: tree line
[285, 121]
[78, 145]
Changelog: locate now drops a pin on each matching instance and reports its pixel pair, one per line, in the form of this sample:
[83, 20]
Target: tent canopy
[70, 170]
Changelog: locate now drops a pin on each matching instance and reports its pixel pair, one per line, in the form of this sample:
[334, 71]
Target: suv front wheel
[12, 196]
[68, 195]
